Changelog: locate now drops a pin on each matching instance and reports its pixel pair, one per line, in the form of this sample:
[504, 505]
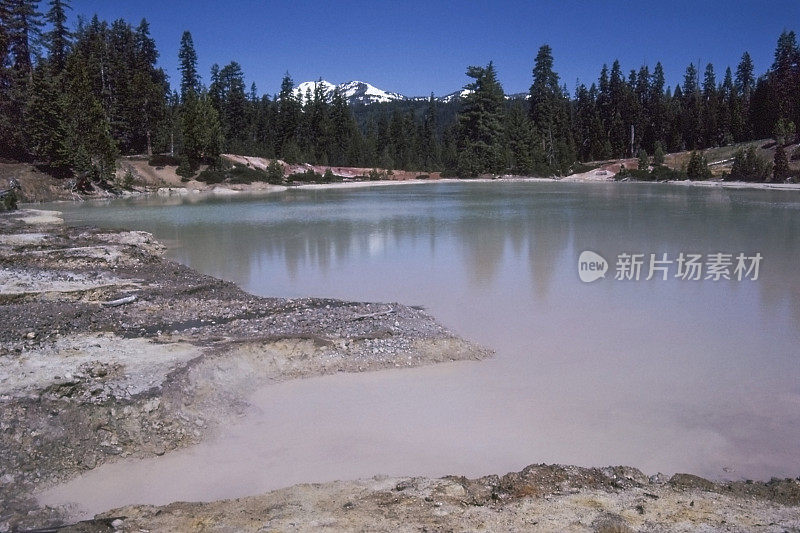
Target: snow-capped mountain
[359, 92]
[356, 92]
[452, 96]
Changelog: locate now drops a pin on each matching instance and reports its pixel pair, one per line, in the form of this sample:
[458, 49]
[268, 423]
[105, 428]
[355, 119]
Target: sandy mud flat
[108, 350]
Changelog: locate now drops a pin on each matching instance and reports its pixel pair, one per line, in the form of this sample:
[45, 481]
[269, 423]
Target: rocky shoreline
[109, 350]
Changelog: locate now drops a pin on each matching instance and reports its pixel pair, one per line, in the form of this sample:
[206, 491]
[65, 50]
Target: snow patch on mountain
[302, 90]
[360, 92]
[355, 92]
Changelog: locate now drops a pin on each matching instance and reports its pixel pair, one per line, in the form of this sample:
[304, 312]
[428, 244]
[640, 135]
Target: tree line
[74, 100]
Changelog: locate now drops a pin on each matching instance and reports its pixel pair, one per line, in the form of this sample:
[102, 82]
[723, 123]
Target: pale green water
[696, 376]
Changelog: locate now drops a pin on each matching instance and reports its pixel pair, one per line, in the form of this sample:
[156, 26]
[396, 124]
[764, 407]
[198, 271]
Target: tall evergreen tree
[59, 38]
[784, 76]
[481, 124]
[691, 108]
[549, 112]
[190, 79]
[710, 108]
[745, 86]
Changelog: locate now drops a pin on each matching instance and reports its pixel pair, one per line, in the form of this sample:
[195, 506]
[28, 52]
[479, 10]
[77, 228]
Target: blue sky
[415, 47]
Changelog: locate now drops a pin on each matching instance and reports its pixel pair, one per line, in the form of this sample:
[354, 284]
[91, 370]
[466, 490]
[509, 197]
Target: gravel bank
[108, 350]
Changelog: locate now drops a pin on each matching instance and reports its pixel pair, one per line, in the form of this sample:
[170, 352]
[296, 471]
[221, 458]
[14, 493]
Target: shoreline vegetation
[145, 376]
[108, 350]
[80, 98]
[136, 176]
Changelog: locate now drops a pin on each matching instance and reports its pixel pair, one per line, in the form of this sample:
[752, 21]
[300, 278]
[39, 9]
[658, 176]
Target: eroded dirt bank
[108, 350]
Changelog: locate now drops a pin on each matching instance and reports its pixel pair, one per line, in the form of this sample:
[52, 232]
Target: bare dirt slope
[344, 172]
[36, 186]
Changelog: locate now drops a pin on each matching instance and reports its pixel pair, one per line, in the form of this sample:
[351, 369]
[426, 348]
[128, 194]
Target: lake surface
[670, 376]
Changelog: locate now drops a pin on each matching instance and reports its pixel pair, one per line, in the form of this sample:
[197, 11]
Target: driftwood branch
[121, 301]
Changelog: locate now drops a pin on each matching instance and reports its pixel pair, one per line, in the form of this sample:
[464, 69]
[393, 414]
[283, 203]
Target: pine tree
[233, 112]
[710, 109]
[644, 159]
[618, 129]
[201, 133]
[745, 86]
[94, 149]
[59, 38]
[519, 140]
[691, 109]
[46, 121]
[658, 154]
[657, 104]
[430, 159]
[698, 167]
[21, 23]
[780, 167]
[481, 124]
[729, 111]
[190, 79]
[288, 119]
[550, 112]
[784, 75]
[749, 166]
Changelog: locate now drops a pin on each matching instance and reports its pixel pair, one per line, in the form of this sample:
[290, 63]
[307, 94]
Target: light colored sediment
[539, 498]
[82, 382]
[738, 185]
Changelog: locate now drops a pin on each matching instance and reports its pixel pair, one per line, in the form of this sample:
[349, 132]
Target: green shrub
[749, 166]
[211, 176]
[580, 168]
[328, 176]
[697, 169]
[185, 168]
[243, 174]
[127, 180]
[423, 177]
[664, 173]
[9, 201]
[275, 172]
[644, 160]
[658, 154]
[163, 160]
[377, 175]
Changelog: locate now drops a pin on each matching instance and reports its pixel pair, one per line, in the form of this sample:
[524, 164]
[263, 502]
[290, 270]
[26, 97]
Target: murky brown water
[696, 376]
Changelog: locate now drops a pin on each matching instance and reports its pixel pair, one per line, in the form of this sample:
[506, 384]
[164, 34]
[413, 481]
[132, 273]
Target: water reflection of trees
[492, 227]
[661, 219]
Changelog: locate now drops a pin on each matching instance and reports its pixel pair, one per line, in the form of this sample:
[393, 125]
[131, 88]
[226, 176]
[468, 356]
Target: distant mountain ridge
[361, 92]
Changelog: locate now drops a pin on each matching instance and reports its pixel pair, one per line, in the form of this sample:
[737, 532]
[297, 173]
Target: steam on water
[694, 376]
